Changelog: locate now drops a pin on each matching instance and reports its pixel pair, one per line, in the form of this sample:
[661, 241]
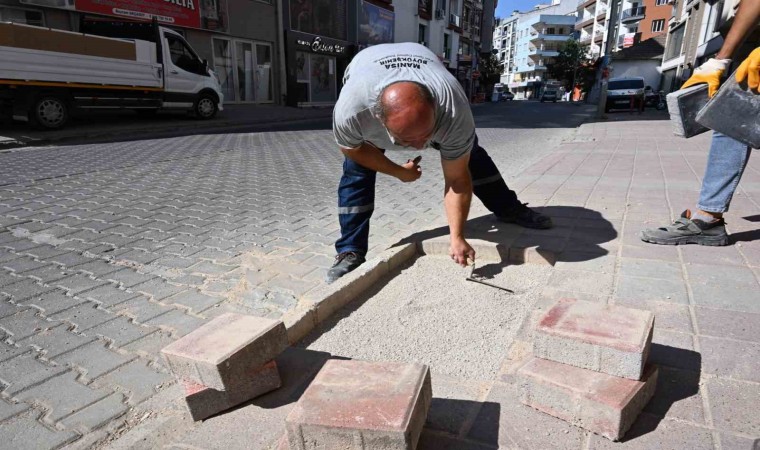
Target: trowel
[475, 280]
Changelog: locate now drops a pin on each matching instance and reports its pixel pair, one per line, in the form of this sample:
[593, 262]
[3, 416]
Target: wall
[642, 68]
[654, 12]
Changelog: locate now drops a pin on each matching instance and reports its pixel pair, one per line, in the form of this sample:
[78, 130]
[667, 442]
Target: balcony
[550, 37]
[585, 39]
[583, 23]
[633, 15]
[601, 13]
[633, 39]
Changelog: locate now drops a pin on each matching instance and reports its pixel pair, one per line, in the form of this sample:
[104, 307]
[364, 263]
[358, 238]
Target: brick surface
[598, 402]
[226, 348]
[25, 433]
[204, 402]
[25, 371]
[362, 405]
[606, 338]
[61, 396]
[97, 414]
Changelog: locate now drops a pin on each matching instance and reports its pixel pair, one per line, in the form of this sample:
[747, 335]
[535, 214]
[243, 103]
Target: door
[224, 68]
[244, 68]
[263, 87]
[184, 69]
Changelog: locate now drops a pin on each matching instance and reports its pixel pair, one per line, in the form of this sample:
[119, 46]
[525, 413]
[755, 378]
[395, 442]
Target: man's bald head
[407, 109]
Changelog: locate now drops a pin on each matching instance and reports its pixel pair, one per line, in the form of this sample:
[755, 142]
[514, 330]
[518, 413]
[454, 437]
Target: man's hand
[750, 70]
[710, 73]
[411, 172]
[460, 251]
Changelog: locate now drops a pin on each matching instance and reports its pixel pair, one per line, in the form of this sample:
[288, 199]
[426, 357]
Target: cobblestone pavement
[109, 252]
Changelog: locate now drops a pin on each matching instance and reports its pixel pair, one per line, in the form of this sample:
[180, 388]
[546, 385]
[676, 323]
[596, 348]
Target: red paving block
[225, 349]
[595, 401]
[204, 402]
[606, 338]
[357, 405]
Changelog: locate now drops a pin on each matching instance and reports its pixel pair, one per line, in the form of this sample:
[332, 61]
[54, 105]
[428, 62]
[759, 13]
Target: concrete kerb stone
[491, 251]
[319, 304]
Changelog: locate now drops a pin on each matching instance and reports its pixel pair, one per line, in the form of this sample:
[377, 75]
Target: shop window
[25, 16]
[223, 67]
[315, 77]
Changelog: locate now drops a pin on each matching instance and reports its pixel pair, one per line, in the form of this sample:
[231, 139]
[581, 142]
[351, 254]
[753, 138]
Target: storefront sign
[375, 25]
[207, 14]
[318, 46]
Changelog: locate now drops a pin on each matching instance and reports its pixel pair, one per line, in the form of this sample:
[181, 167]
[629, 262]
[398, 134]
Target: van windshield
[625, 84]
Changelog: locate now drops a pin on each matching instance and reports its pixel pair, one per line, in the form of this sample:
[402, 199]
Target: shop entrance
[244, 69]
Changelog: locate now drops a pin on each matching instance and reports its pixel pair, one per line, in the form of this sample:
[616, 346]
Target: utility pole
[612, 36]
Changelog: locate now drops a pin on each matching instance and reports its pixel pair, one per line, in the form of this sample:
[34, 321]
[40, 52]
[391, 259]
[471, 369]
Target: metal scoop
[475, 280]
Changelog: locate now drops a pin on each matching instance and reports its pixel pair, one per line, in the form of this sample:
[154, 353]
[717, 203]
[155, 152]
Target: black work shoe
[688, 231]
[526, 217]
[345, 262]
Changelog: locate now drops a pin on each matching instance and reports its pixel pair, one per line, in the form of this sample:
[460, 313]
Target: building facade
[239, 38]
[540, 34]
[436, 24]
[505, 42]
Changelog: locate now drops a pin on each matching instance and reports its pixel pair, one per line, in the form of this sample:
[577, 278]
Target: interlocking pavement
[109, 252]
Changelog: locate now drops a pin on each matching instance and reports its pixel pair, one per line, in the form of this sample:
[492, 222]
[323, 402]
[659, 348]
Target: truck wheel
[205, 107]
[49, 112]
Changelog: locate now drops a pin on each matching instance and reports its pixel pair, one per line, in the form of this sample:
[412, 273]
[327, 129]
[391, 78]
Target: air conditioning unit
[440, 14]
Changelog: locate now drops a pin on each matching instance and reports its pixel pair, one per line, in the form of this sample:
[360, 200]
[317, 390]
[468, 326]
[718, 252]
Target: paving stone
[194, 300]
[20, 265]
[140, 309]
[204, 402]
[8, 410]
[225, 349]
[734, 442]
[724, 287]
[141, 381]
[24, 324]
[649, 432]
[674, 350]
[652, 289]
[646, 268]
[46, 253]
[94, 360]
[362, 405]
[678, 396]
[289, 284]
[24, 372]
[25, 433]
[97, 414]
[669, 316]
[77, 284]
[728, 324]
[61, 396]
[120, 331]
[734, 405]
[158, 289]
[98, 268]
[581, 281]
[604, 404]
[176, 321]
[70, 259]
[129, 278]
[55, 341]
[7, 278]
[47, 274]
[149, 346]
[108, 296]
[729, 358]
[605, 338]
[24, 289]
[53, 302]
[84, 316]
[8, 351]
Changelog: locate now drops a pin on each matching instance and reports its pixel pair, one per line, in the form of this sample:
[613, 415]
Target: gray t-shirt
[374, 68]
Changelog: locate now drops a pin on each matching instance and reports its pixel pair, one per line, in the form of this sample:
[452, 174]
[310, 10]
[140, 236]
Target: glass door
[263, 73]
[223, 67]
[244, 65]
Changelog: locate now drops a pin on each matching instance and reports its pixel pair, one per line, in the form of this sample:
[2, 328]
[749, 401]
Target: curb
[156, 133]
[318, 305]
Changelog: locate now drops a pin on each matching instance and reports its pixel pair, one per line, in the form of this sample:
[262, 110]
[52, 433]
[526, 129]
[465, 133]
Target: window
[184, 57]
[25, 16]
[674, 43]
[661, 2]
[422, 35]
[658, 25]
[446, 46]
[550, 31]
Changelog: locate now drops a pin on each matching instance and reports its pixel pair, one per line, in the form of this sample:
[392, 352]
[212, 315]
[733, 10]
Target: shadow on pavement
[578, 235]
[446, 418]
[677, 380]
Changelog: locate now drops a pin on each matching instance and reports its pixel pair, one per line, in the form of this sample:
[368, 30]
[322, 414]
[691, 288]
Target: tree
[572, 64]
[490, 72]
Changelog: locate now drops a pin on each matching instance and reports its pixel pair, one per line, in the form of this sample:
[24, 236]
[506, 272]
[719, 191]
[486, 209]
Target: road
[108, 252]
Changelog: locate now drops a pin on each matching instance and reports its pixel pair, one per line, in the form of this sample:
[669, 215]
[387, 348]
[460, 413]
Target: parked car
[507, 95]
[620, 91]
[549, 93]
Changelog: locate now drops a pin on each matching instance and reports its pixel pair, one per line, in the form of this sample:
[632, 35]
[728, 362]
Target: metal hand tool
[475, 280]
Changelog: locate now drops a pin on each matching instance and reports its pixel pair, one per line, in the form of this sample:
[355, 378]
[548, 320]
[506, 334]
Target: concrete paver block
[204, 402]
[598, 402]
[362, 405]
[606, 338]
[225, 349]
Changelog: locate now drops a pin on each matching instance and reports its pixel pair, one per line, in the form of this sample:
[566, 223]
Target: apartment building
[540, 34]
[436, 24]
[504, 42]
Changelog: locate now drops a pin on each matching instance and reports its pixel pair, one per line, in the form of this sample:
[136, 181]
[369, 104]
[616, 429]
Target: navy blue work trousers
[356, 197]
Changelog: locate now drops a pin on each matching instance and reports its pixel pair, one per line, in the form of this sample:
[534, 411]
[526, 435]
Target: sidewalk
[120, 125]
[602, 187]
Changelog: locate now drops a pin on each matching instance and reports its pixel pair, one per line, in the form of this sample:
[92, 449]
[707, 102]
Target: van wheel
[205, 107]
[49, 111]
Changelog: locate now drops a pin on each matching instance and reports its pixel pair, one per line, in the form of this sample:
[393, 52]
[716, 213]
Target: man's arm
[456, 199]
[746, 19]
[369, 156]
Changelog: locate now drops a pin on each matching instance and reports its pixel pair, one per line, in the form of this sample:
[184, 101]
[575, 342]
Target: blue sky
[506, 7]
